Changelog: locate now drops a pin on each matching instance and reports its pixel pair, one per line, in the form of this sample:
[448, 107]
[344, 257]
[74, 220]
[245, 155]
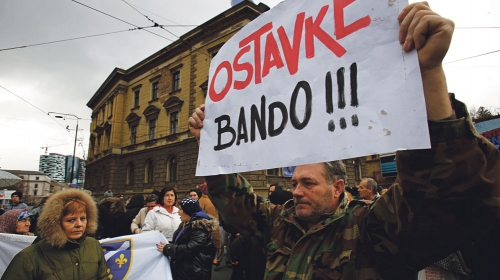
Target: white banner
[311, 81]
[128, 257]
[136, 256]
[10, 245]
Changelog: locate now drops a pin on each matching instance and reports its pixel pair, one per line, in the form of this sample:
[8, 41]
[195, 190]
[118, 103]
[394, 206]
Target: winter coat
[138, 221]
[193, 251]
[71, 259]
[444, 197]
[105, 218]
[133, 208]
[10, 206]
[159, 219]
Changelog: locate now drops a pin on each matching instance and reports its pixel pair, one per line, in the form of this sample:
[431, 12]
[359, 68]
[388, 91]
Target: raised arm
[444, 197]
[430, 34]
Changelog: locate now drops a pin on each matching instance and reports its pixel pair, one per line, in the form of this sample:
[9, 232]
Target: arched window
[130, 174]
[172, 169]
[149, 172]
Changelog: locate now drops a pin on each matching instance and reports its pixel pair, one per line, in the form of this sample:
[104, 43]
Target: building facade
[53, 165]
[140, 140]
[33, 186]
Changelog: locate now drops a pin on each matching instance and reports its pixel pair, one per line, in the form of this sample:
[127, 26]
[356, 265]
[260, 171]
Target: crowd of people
[441, 209]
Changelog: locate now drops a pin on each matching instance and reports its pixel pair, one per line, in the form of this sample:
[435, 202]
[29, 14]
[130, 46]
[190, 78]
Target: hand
[160, 246]
[430, 34]
[196, 122]
[427, 32]
[137, 231]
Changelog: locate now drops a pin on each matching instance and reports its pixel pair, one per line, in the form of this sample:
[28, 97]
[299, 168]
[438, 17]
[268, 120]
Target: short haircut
[279, 197]
[277, 186]
[371, 184]
[152, 198]
[164, 191]
[335, 170]
[74, 206]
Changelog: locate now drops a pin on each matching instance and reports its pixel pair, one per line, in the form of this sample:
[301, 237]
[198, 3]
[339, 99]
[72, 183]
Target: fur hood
[210, 225]
[49, 223]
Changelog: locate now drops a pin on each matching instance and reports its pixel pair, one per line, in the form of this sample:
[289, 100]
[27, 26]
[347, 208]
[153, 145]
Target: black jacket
[191, 255]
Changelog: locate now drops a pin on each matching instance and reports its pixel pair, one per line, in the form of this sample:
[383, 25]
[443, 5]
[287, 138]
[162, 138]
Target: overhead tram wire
[76, 38]
[161, 26]
[45, 113]
[121, 20]
[471, 57]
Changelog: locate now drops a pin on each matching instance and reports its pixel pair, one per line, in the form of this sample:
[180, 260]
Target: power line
[45, 113]
[472, 57]
[177, 24]
[71, 39]
[478, 27]
[121, 20]
[156, 24]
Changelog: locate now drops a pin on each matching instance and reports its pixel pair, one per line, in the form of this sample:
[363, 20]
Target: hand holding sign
[430, 34]
[261, 114]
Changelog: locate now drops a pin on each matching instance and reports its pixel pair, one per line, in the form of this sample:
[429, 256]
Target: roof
[24, 172]
[485, 126]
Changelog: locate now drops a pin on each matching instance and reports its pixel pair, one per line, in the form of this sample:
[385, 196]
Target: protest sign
[311, 81]
[127, 257]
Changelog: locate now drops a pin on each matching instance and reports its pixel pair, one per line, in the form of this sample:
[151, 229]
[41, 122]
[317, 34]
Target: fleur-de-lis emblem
[110, 276]
[121, 261]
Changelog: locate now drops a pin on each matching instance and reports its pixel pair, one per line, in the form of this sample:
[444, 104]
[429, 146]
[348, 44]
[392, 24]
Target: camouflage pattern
[443, 198]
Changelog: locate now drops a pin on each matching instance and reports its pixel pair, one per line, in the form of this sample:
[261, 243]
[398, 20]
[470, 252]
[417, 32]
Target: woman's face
[74, 225]
[184, 217]
[23, 226]
[169, 198]
[193, 195]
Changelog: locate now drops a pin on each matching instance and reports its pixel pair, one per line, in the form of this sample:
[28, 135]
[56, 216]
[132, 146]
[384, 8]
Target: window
[357, 173]
[35, 192]
[108, 139]
[110, 108]
[136, 98]
[172, 169]
[273, 172]
[149, 172]
[130, 174]
[176, 78]
[154, 91]
[37, 178]
[133, 134]
[152, 129]
[36, 185]
[174, 122]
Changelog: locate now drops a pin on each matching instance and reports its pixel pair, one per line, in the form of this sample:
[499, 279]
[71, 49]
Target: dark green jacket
[444, 197]
[80, 260]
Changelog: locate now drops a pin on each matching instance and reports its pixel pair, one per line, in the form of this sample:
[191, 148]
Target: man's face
[150, 205]
[312, 196]
[272, 189]
[15, 198]
[364, 192]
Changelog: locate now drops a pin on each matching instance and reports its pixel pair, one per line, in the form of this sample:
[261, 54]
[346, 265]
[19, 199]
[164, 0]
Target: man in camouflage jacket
[444, 197]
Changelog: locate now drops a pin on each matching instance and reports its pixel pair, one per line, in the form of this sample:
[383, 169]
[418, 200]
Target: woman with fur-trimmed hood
[192, 251]
[65, 250]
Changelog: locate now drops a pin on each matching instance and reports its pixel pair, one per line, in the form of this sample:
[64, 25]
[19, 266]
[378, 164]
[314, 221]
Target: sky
[62, 77]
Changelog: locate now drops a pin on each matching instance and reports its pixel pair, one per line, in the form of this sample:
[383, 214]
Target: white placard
[311, 81]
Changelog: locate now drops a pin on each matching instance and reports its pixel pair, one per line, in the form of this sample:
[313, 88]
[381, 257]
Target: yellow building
[140, 139]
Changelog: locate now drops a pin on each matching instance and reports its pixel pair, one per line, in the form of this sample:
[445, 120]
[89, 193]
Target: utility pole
[60, 116]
